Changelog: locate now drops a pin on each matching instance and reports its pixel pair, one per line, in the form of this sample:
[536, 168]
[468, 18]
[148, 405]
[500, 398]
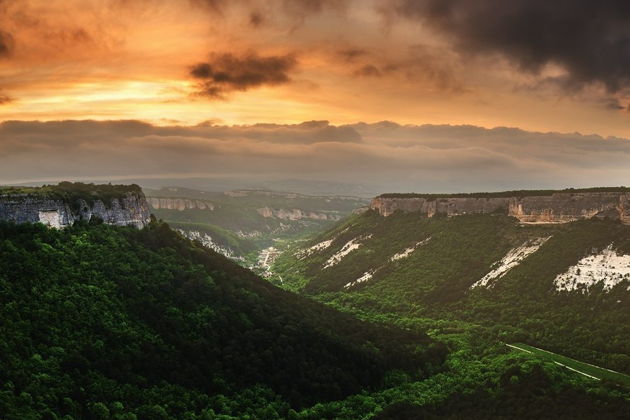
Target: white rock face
[512, 259]
[408, 251]
[50, 218]
[130, 209]
[207, 241]
[350, 246]
[179, 203]
[296, 214]
[608, 267]
[368, 275]
[313, 249]
[365, 277]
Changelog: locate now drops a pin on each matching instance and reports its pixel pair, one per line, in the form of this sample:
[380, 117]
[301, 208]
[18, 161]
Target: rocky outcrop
[179, 204]
[206, 240]
[560, 207]
[130, 209]
[295, 214]
[444, 206]
[563, 207]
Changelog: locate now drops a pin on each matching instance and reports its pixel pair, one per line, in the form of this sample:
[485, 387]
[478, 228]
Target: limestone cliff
[527, 207]
[62, 207]
[179, 204]
[296, 214]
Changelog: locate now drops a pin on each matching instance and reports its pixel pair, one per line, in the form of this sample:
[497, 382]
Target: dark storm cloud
[589, 39]
[225, 73]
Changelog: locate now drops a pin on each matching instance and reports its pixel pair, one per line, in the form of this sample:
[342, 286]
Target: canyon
[297, 214]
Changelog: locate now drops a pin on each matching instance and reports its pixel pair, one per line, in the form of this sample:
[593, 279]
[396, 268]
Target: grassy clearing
[585, 369]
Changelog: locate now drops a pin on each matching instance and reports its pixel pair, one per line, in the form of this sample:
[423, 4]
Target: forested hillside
[104, 322]
[561, 287]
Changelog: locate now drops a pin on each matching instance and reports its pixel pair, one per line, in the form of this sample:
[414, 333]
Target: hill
[561, 287]
[104, 322]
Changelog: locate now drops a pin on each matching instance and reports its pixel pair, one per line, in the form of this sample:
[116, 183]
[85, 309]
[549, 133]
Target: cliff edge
[63, 204]
[529, 207]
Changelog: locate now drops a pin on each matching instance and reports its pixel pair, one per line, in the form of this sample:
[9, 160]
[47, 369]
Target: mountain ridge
[530, 207]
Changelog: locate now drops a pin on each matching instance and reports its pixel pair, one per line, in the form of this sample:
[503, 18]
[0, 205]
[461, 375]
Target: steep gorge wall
[561, 207]
[296, 214]
[130, 209]
[444, 206]
[565, 207]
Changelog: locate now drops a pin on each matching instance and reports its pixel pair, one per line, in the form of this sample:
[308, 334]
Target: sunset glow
[353, 61]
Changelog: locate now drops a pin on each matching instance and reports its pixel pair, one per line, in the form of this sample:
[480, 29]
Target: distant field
[585, 369]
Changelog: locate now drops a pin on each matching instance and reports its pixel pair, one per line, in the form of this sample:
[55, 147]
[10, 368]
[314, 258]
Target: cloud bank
[385, 156]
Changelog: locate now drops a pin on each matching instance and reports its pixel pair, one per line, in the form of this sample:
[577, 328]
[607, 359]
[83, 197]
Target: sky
[424, 95]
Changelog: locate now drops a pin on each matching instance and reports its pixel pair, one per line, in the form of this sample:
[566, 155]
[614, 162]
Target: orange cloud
[286, 61]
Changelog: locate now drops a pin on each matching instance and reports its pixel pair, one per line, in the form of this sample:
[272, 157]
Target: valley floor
[586, 369]
[483, 379]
